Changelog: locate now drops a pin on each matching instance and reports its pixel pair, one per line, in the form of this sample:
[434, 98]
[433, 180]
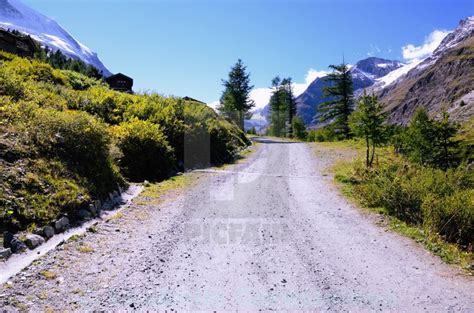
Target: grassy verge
[430, 192]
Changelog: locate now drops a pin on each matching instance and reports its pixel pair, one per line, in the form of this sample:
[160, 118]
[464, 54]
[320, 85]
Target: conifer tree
[235, 102]
[367, 122]
[340, 95]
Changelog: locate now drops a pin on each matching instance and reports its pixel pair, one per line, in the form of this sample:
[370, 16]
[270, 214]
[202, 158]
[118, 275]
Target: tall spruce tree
[276, 107]
[340, 102]
[282, 107]
[290, 104]
[235, 102]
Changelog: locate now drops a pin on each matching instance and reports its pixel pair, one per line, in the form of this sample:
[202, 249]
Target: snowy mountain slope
[364, 74]
[16, 15]
[461, 33]
[442, 81]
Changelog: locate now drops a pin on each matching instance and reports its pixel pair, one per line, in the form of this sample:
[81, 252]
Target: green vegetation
[430, 205]
[282, 107]
[235, 102]
[67, 139]
[368, 122]
[424, 182]
[430, 142]
[340, 102]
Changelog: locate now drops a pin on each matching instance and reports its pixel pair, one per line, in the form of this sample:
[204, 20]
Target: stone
[5, 253]
[48, 232]
[7, 239]
[17, 246]
[92, 209]
[84, 214]
[32, 241]
[61, 224]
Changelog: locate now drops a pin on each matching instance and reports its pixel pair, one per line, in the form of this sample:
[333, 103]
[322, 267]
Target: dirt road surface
[272, 233]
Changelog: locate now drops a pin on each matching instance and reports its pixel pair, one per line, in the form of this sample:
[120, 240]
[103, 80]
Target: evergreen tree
[299, 129]
[235, 102]
[282, 107]
[340, 102]
[368, 122]
[446, 147]
[289, 103]
[430, 142]
[277, 113]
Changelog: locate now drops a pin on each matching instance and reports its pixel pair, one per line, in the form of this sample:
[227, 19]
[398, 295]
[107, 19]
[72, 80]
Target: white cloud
[262, 95]
[311, 75]
[412, 53]
[214, 104]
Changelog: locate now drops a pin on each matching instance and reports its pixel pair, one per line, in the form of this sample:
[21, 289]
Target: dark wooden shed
[120, 82]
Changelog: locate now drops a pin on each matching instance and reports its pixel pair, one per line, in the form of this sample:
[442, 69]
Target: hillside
[15, 15]
[444, 81]
[67, 140]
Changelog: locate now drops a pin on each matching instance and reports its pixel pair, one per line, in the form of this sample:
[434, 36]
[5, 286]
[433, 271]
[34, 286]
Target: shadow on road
[272, 140]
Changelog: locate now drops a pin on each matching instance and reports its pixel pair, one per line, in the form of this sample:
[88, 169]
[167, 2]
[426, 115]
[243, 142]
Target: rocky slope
[443, 81]
[364, 73]
[16, 15]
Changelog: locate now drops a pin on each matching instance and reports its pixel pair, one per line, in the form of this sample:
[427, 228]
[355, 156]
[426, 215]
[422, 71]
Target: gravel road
[271, 233]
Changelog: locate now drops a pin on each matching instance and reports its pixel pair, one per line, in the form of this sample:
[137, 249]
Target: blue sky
[185, 47]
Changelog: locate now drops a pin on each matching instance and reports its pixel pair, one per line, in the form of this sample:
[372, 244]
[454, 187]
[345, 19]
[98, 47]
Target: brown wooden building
[120, 82]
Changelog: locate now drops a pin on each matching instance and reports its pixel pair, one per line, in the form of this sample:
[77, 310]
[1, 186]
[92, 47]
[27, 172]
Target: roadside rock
[48, 232]
[61, 224]
[5, 253]
[84, 214]
[17, 246]
[92, 210]
[32, 241]
[7, 239]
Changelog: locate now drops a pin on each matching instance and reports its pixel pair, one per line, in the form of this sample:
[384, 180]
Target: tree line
[236, 104]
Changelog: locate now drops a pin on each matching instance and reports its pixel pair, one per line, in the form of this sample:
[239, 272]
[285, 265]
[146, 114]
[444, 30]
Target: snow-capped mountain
[16, 15]
[364, 74]
[442, 81]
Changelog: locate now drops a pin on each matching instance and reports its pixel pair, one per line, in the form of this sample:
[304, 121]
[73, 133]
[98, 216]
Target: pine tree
[276, 107]
[341, 99]
[368, 122]
[235, 102]
[289, 103]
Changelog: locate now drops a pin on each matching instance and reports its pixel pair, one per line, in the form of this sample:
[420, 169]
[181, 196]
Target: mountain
[16, 15]
[443, 81]
[364, 74]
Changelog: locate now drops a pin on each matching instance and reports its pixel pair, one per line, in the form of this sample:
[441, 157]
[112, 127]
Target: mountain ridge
[14, 15]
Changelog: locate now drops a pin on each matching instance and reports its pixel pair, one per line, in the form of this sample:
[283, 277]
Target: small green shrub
[451, 216]
[146, 153]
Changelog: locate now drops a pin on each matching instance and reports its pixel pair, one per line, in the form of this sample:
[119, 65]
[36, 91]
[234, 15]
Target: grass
[343, 175]
[75, 238]
[154, 192]
[85, 249]
[48, 275]
[114, 217]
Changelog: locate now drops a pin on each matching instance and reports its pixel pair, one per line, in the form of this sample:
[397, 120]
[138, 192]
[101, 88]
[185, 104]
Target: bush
[322, 135]
[78, 139]
[145, 152]
[452, 216]
[430, 142]
[440, 201]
